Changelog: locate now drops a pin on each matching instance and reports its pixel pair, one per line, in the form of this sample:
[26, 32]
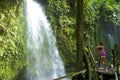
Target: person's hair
[101, 43]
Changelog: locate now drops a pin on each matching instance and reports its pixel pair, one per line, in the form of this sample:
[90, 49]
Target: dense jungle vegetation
[75, 23]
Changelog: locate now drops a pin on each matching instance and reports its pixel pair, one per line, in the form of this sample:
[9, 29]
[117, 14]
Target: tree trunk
[79, 35]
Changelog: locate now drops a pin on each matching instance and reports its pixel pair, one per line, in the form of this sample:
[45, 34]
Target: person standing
[102, 54]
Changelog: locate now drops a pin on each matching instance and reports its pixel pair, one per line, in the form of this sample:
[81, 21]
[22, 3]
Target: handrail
[92, 58]
[116, 76]
[71, 75]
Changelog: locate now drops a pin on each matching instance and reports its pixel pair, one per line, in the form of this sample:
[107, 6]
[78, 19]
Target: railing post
[116, 55]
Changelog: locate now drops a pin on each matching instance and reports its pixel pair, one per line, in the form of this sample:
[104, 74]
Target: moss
[12, 39]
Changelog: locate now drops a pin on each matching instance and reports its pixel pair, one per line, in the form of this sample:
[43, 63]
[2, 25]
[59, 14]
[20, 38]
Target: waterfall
[111, 40]
[44, 62]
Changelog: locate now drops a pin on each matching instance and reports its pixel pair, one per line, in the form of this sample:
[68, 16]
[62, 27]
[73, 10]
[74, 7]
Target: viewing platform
[102, 75]
[112, 73]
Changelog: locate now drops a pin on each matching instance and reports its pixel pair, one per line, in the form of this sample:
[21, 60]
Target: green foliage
[12, 46]
[98, 13]
[58, 7]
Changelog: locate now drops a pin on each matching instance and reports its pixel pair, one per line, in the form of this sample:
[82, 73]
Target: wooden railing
[90, 53]
[69, 76]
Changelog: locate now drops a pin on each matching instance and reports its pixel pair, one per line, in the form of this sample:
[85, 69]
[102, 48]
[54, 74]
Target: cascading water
[111, 40]
[44, 62]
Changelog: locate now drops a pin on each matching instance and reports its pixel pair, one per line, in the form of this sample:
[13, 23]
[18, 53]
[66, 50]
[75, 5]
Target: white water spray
[44, 62]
